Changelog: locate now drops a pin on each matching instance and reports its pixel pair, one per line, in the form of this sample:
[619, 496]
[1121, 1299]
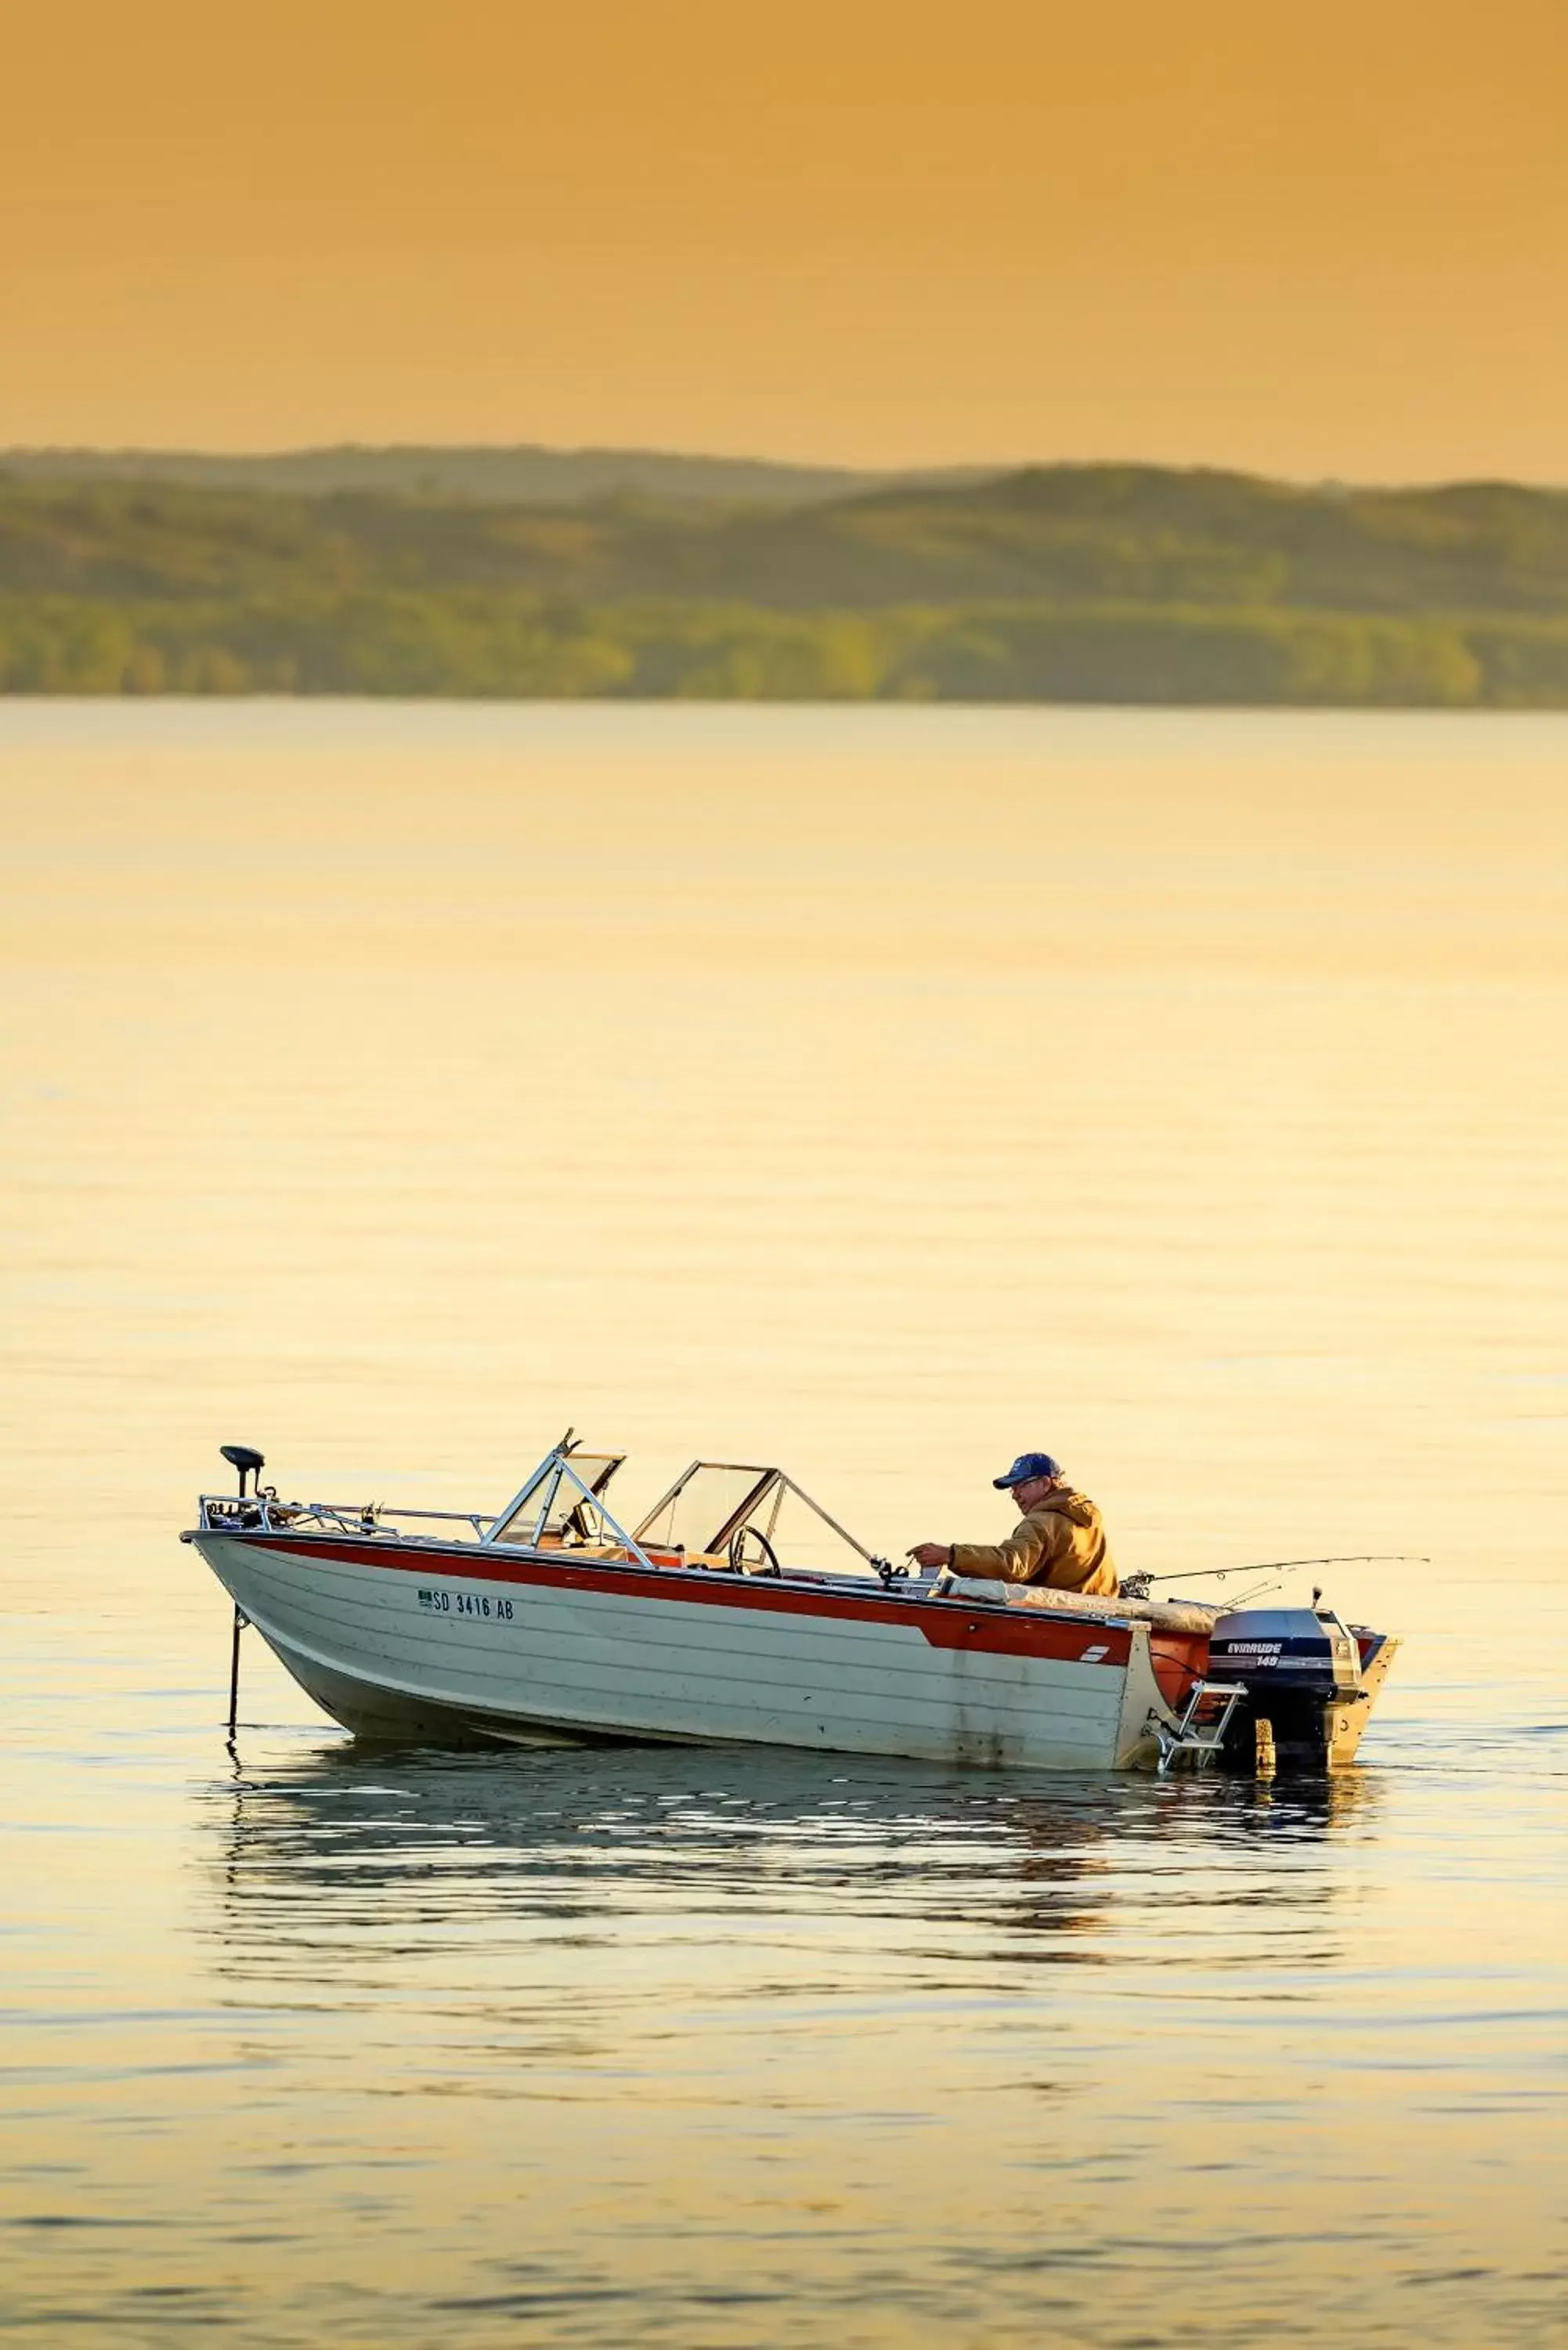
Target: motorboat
[738, 1609]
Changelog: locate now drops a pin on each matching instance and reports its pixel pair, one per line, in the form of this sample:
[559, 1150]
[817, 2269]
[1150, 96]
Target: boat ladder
[1199, 1731]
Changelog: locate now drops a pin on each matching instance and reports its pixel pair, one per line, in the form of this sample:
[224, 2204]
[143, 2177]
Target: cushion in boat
[1162, 1615]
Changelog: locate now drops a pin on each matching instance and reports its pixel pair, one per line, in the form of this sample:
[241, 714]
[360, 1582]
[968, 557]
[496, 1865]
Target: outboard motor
[1301, 1669]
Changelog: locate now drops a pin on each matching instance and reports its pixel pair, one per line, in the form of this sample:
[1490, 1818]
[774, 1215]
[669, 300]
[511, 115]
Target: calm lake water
[881, 1092]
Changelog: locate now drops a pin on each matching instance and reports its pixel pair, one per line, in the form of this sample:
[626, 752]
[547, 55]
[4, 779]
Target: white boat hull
[422, 1639]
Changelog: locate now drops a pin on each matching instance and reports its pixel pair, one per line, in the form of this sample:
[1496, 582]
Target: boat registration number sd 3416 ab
[463, 1602]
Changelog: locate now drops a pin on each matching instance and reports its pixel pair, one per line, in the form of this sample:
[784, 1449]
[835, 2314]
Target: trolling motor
[248, 1462]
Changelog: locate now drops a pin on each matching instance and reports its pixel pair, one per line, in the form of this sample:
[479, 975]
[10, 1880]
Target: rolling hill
[1102, 582]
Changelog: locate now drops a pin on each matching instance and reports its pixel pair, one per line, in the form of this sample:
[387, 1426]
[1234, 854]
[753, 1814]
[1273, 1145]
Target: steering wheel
[769, 1562]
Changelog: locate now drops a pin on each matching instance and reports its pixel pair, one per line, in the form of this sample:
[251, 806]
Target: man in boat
[1058, 1539]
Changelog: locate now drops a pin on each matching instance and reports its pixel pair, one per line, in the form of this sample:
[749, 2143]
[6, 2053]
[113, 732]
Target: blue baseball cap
[1027, 1465]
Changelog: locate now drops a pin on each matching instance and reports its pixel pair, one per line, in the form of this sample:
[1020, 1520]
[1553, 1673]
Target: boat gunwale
[942, 1621]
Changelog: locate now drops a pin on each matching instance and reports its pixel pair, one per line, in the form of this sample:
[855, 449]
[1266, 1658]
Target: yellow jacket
[1062, 1542]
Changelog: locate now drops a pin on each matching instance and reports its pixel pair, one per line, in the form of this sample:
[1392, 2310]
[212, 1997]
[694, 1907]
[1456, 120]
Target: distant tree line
[469, 643]
[1081, 585]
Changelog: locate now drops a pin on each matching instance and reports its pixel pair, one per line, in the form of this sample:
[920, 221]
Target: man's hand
[931, 1553]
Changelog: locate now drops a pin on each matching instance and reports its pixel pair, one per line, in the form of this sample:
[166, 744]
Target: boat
[738, 1609]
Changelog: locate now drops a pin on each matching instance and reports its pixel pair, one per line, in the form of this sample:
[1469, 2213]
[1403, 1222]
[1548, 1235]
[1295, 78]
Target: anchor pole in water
[241, 1621]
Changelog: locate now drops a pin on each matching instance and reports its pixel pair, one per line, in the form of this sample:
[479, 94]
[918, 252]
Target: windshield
[716, 1502]
[568, 1513]
[710, 1502]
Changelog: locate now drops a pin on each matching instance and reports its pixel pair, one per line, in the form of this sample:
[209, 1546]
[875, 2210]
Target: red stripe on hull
[1179, 1659]
[941, 1623]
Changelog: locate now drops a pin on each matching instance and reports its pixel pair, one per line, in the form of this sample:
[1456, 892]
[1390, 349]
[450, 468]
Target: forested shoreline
[1068, 585]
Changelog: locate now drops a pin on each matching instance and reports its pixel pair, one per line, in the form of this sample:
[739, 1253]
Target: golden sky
[1324, 239]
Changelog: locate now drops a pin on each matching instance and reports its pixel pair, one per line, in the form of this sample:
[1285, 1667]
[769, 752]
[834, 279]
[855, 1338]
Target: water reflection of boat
[355, 1858]
[716, 1619]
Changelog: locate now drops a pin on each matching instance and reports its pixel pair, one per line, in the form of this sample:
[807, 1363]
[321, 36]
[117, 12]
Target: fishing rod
[1269, 1566]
